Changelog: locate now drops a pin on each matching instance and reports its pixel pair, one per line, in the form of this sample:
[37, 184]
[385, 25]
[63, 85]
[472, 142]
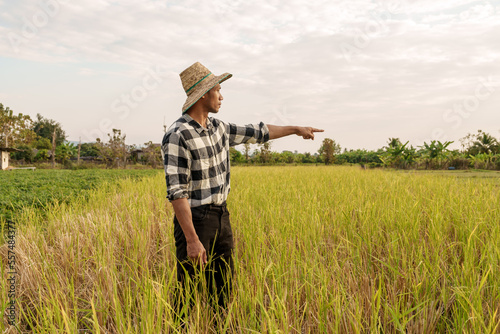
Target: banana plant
[482, 160]
[65, 151]
[436, 151]
[398, 154]
[409, 156]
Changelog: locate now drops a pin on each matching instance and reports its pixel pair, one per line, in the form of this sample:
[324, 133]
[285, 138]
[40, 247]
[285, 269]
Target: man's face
[214, 99]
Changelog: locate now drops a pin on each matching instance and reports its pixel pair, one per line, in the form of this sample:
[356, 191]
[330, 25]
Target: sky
[364, 71]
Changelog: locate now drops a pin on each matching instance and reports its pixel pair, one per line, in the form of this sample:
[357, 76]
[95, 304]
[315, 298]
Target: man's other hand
[196, 252]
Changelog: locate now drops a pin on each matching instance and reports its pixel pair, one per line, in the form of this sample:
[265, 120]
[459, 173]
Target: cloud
[407, 60]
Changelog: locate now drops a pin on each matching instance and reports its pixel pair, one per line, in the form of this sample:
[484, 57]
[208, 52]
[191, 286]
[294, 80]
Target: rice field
[318, 250]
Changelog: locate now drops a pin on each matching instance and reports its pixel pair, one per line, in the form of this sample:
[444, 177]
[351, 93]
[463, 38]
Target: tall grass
[318, 250]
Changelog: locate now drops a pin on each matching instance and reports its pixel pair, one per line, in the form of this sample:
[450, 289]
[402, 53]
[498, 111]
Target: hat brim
[203, 89]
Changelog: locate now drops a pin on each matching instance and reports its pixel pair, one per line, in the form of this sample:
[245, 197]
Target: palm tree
[485, 143]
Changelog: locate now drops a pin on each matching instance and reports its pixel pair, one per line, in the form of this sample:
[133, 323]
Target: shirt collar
[197, 125]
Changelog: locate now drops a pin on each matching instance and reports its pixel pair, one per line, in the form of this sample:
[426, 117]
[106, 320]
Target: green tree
[254, 157]
[246, 151]
[298, 158]
[394, 143]
[329, 148]
[43, 143]
[435, 153]
[275, 157]
[152, 154]
[361, 156]
[45, 128]
[65, 151]
[265, 152]
[397, 154]
[482, 160]
[393, 152]
[236, 156]
[481, 142]
[287, 157]
[15, 129]
[26, 153]
[308, 158]
[410, 155]
[42, 155]
[486, 143]
[114, 152]
[89, 150]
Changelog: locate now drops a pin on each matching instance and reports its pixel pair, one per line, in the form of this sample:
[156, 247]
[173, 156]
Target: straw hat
[197, 80]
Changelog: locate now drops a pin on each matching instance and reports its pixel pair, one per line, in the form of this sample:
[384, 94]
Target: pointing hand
[307, 132]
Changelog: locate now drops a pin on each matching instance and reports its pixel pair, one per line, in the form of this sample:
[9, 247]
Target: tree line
[44, 141]
[478, 150]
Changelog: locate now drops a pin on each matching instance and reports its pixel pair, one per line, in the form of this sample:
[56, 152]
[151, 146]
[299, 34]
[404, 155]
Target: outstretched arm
[276, 131]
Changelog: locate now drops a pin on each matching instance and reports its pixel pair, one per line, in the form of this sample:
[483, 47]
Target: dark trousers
[211, 223]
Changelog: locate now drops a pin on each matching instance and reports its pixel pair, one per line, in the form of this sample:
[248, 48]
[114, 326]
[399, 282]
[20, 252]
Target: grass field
[26, 188]
[318, 250]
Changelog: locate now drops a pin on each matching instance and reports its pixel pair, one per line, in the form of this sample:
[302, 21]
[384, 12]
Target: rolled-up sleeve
[251, 133]
[177, 164]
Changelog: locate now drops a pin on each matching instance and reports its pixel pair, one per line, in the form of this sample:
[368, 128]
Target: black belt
[212, 205]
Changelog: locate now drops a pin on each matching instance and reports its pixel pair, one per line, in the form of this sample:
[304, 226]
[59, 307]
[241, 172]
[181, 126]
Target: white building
[4, 162]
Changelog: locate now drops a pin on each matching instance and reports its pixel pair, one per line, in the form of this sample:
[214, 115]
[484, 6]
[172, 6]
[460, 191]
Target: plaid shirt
[196, 159]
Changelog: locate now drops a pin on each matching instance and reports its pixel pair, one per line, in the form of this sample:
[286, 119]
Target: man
[196, 159]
